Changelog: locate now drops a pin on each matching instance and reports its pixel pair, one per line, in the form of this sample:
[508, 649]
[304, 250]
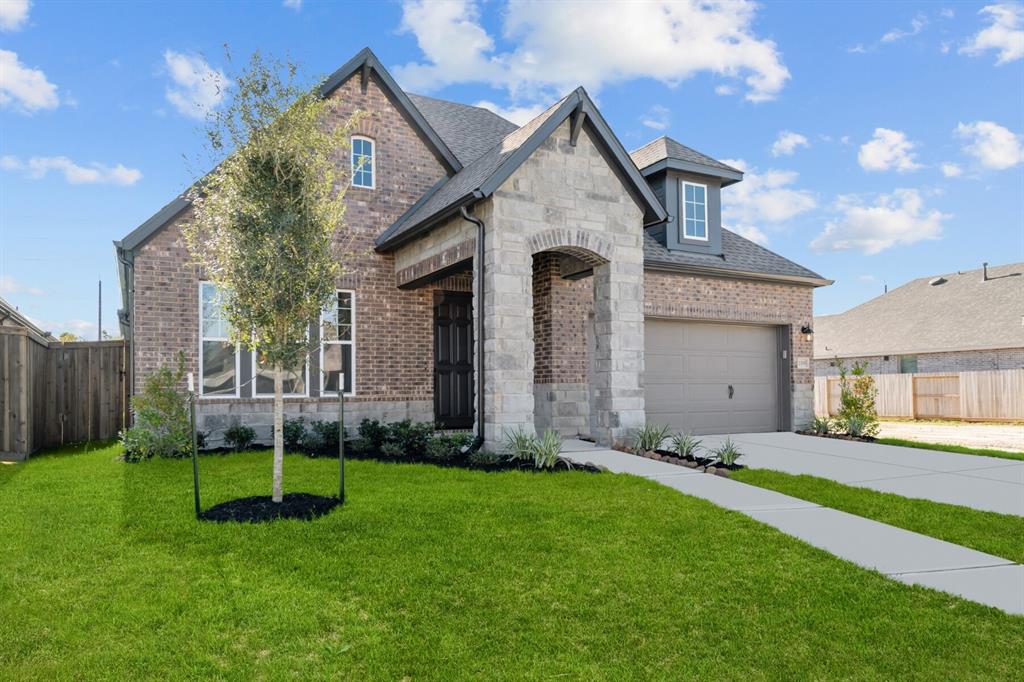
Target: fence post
[341, 437]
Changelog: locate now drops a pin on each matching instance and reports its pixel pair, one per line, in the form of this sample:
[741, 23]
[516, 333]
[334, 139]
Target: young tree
[264, 221]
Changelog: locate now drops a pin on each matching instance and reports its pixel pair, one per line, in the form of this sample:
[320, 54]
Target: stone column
[618, 364]
[508, 340]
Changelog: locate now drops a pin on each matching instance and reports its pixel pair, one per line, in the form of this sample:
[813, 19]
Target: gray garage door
[690, 367]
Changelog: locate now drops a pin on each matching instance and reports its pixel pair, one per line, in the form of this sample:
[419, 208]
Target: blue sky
[882, 141]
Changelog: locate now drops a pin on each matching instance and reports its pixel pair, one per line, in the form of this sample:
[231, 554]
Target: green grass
[999, 534]
[1003, 454]
[431, 573]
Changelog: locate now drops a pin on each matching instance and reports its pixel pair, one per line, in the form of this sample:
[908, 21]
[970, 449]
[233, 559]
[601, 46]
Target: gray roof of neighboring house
[962, 313]
[665, 152]
[467, 130]
[740, 256]
[9, 314]
[484, 175]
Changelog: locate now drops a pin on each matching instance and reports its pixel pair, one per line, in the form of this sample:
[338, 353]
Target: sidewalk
[900, 554]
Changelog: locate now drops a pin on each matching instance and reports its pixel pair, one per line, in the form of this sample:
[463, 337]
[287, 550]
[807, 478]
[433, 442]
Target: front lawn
[998, 534]
[433, 573]
[987, 452]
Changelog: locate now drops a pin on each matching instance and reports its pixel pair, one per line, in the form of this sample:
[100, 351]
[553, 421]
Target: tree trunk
[278, 431]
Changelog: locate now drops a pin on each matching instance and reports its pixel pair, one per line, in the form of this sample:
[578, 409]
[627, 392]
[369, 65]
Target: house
[611, 294]
[11, 318]
[960, 322]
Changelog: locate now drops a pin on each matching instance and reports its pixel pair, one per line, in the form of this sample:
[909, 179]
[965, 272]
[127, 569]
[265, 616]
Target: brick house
[611, 293]
[966, 321]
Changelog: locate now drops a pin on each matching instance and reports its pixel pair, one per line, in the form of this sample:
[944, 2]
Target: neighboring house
[612, 294]
[10, 317]
[965, 321]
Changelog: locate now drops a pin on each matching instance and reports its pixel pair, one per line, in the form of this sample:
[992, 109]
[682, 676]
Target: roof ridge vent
[937, 281]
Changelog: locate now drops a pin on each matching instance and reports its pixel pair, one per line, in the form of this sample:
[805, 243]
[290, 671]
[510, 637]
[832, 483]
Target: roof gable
[486, 174]
[963, 312]
[469, 131]
[664, 152]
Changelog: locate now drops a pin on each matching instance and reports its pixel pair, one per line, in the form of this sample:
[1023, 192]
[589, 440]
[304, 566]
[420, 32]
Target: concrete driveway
[984, 483]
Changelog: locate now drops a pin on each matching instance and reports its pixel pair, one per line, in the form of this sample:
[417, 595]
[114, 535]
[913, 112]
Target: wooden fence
[996, 395]
[54, 393]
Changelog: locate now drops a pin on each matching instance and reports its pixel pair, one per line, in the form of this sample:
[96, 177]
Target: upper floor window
[362, 162]
[218, 356]
[695, 211]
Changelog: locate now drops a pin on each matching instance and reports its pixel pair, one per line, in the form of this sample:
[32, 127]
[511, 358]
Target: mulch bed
[705, 464]
[839, 436]
[261, 509]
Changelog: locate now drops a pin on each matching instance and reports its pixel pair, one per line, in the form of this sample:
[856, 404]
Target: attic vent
[937, 281]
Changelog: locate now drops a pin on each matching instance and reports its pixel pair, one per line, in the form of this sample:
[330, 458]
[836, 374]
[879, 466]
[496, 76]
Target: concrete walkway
[985, 483]
[900, 554]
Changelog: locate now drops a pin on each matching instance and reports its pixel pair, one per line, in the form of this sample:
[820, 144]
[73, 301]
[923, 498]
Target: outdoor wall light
[807, 332]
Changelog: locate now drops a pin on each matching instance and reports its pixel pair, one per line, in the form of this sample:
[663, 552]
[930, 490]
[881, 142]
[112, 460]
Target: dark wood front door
[453, 360]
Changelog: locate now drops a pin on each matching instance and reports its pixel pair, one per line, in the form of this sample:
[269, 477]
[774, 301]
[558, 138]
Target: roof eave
[735, 274]
[392, 243]
[728, 177]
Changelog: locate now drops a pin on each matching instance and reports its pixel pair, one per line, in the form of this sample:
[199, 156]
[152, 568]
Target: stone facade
[954, 361]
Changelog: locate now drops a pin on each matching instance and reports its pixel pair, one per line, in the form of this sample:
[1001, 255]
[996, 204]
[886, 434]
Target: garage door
[711, 378]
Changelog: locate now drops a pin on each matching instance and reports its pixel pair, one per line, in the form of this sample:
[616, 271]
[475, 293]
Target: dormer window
[695, 211]
[362, 162]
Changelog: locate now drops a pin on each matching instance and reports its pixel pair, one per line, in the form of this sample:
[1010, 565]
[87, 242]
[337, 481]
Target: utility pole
[99, 312]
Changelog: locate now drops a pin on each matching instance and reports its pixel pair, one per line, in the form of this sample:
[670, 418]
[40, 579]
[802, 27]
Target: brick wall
[955, 361]
[394, 357]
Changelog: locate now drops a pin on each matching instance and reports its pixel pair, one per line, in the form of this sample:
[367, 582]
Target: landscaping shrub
[373, 434]
[485, 458]
[409, 437]
[326, 433]
[821, 426]
[447, 447]
[685, 445]
[392, 450]
[162, 427]
[239, 436]
[294, 430]
[519, 444]
[857, 400]
[649, 437]
[727, 453]
[546, 450]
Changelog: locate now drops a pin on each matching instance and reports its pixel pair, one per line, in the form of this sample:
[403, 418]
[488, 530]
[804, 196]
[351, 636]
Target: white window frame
[373, 161]
[351, 342]
[263, 396]
[203, 338]
[682, 217]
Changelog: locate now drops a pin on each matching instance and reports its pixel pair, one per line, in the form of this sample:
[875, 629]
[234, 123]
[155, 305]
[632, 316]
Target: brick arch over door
[586, 246]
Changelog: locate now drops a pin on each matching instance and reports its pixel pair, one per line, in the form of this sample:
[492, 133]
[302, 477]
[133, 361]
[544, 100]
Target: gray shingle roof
[739, 255]
[468, 131]
[963, 313]
[666, 148]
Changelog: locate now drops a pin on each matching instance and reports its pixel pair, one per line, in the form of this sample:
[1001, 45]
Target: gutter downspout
[128, 265]
[480, 326]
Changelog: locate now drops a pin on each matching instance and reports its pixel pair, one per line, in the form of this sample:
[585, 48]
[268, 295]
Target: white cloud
[752, 233]
[37, 167]
[656, 118]
[518, 115]
[13, 14]
[867, 278]
[899, 218]
[9, 286]
[787, 143]
[24, 89]
[724, 90]
[845, 139]
[762, 200]
[994, 146]
[558, 46]
[1004, 33]
[917, 25]
[947, 13]
[888, 149]
[951, 170]
[198, 88]
[293, 4]
[857, 49]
